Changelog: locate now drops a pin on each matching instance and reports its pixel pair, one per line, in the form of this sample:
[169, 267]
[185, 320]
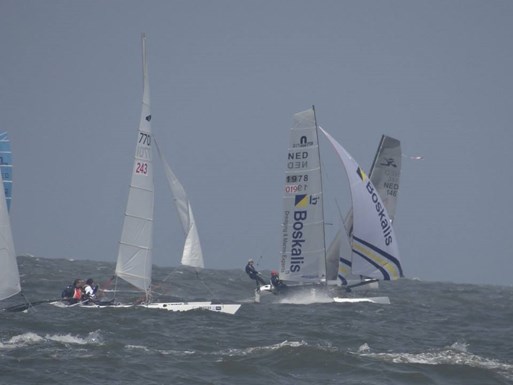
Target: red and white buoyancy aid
[77, 294]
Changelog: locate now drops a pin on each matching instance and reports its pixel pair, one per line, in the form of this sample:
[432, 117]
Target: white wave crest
[30, 338]
[456, 354]
[250, 350]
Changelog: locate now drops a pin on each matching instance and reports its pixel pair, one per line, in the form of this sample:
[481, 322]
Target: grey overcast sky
[226, 78]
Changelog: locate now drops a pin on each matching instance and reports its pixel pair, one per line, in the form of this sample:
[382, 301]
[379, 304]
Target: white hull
[170, 306]
[90, 306]
[315, 296]
[379, 300]
[186, 306]
[264, 290]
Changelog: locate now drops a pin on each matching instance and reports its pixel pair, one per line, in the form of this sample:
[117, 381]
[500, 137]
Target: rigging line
[115, 286]
[259, 259]
[204, 284]
[27, 302]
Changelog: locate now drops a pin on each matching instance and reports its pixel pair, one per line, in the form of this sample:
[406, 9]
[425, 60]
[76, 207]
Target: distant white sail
[9, 274]
[303, 248]
[385, 172]
[375, 252]
[134, 261]
[192, 254]
[6, 167]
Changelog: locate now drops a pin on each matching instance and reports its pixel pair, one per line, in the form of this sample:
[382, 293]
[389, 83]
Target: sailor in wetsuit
[254, 274]
[276, 283]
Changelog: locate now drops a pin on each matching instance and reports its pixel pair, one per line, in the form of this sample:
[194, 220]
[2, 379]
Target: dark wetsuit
[253, 274]
[277, 283]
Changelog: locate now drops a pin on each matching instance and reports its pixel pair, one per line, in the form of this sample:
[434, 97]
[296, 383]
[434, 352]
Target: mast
[322, 199]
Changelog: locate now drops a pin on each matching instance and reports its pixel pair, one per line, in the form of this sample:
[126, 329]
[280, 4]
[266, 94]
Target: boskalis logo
[301, 202]
[388, 162]
[380, 209]
[296, 248]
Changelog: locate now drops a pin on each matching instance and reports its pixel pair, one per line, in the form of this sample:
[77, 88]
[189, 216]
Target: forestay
[303, 248]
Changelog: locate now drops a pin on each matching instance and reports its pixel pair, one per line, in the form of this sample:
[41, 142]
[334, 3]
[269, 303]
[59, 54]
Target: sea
[430, 333]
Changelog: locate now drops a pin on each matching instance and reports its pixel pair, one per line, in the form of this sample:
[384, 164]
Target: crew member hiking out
[254, 274]
[89, 290]
[276, 283]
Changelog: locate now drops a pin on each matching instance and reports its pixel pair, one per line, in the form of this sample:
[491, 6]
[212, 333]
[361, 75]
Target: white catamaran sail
[303, 249]
[192, 254]
[9, 274]
[385, 175]
[6, 167]
[375, 252]
[304, 256]
[134, 263]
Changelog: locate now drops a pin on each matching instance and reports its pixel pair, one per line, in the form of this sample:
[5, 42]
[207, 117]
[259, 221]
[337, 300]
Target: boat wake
[306, 298]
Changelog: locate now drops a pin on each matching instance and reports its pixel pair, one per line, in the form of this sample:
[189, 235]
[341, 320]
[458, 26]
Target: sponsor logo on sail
[303, 142]
[361, 174]
[388, 162]
[382, 215]
[296, 257]
[301, 201]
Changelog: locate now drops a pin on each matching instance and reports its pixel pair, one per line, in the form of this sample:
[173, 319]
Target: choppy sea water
[431, 333]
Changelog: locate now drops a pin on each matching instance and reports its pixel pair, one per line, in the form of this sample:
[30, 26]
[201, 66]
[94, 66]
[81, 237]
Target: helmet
[274, 272]
[89, 281]
[250, 260]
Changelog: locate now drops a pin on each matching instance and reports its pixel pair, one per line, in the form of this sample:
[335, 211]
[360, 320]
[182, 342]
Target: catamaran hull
[315, 295]
[187, 306]
[91, 306]
[170, 306]
[263, 290]
[379, 300]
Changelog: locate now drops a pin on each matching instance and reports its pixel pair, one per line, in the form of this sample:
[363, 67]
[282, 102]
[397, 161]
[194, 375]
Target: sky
[226, 78]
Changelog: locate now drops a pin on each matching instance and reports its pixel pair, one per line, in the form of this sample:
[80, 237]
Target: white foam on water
[267, 348]
[456, 354]
[137, 347]
[247, 351]
[31, 338]
[306, 298]
[160, 351]
[21, 340]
